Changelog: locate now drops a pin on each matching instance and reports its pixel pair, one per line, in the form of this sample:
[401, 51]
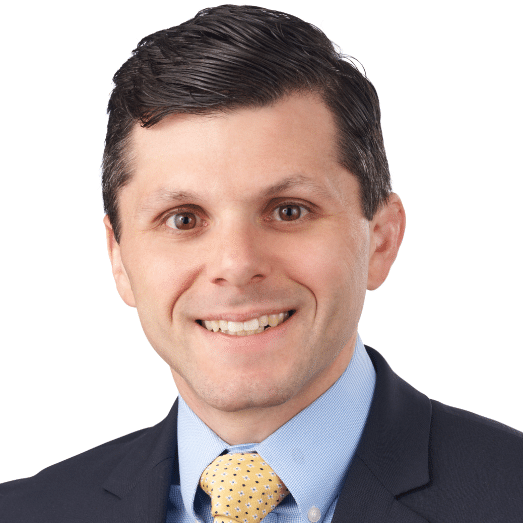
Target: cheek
[158, 277]
[328, 260]
[334, 268]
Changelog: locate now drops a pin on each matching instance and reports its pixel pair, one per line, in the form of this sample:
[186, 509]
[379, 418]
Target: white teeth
[251, 325]
[246, 328]
[212, 325]
[235, 326]
[273, 319]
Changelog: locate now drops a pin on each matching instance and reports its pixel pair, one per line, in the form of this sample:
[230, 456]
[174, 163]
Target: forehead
[289, 144]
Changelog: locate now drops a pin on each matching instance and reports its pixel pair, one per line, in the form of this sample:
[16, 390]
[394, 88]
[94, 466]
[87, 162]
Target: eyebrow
[296, 181]
[167, 195]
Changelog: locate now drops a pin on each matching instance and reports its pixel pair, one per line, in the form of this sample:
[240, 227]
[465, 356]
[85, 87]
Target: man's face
[235, 217]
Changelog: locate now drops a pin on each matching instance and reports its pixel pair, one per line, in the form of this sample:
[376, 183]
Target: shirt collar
[311, 453]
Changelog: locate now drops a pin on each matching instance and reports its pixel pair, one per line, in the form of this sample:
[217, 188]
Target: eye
[289, 212]
[183, 221]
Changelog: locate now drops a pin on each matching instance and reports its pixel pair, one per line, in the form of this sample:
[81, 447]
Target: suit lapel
[143, 477]
[392, 456]
[147, 501]
[365, 500]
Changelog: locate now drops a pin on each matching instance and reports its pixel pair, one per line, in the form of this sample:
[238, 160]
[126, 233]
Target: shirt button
[314, 514]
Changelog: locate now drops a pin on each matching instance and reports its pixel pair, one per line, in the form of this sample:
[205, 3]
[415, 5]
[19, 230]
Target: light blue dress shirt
[311, 453]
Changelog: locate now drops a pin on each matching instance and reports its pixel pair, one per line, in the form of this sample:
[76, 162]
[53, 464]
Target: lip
[236, 316]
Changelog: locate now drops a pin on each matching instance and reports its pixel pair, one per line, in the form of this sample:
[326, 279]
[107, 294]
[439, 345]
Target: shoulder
[476, 446]
[75, 482]
[476, 469]
[481, 430]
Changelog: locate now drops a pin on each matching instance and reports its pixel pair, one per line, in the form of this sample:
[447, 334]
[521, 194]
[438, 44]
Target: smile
[246, 328]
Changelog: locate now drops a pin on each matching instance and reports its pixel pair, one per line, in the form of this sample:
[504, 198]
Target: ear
[123, 283]
[386, 230]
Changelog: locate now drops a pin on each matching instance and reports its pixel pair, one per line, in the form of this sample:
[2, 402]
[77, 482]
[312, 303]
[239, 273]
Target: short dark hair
[232, 56]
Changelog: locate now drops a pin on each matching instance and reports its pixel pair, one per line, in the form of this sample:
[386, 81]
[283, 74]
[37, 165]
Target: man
[249, 209]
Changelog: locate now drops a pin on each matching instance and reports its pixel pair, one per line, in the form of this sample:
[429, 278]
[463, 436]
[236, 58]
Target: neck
[253, 425]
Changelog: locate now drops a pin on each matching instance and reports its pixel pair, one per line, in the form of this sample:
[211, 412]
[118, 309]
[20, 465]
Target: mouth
[252, 326]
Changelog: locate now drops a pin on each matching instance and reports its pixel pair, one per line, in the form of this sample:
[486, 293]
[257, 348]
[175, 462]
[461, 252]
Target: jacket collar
[393, 455]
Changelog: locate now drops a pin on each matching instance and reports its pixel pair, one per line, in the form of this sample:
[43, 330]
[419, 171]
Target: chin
[235, 399]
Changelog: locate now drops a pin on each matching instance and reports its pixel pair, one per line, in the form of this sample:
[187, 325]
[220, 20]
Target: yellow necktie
[242, 487]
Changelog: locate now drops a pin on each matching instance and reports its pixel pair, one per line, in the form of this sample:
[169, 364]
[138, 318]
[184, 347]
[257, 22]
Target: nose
[239, 256]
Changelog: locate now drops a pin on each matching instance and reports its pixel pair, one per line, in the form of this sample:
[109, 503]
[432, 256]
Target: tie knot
[242, 487]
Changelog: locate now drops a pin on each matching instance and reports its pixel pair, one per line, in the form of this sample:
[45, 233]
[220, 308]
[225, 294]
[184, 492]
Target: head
[229, 57]
[245, 176]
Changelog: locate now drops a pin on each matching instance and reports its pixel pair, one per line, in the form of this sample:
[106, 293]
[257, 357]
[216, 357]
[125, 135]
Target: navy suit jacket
[418, 461]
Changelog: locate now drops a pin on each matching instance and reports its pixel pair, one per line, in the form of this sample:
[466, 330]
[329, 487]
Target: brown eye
[183, 221]
[289, 212]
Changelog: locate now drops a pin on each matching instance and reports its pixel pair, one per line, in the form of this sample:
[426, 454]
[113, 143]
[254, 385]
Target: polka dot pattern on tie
[242, 487]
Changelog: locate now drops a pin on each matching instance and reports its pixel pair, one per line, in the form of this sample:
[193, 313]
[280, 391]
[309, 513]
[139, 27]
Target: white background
[75, 367]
